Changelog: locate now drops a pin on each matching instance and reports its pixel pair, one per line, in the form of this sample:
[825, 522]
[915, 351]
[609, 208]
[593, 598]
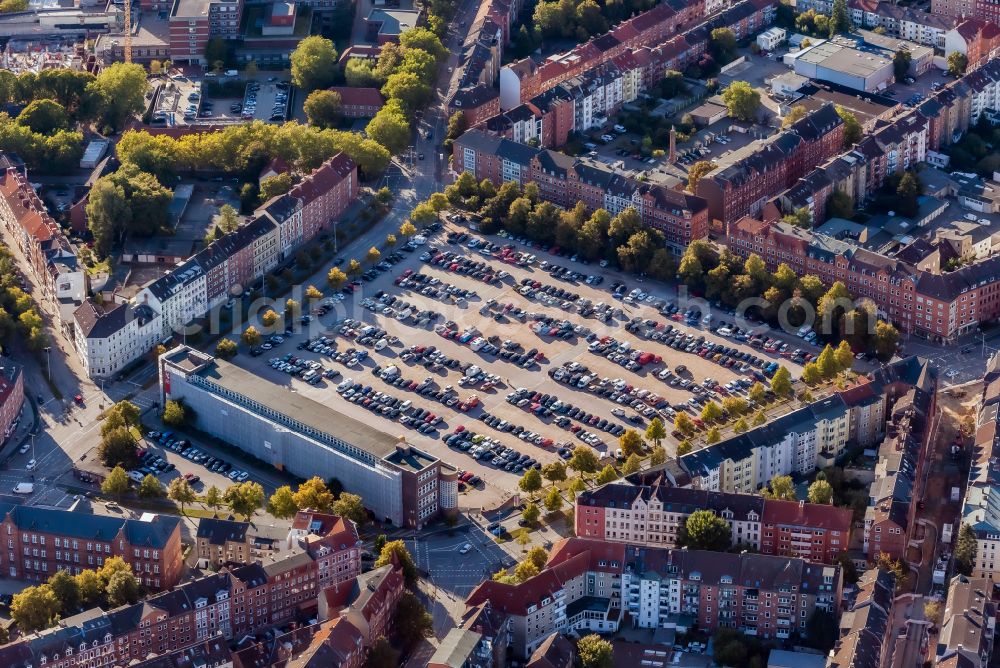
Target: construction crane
[128, 31]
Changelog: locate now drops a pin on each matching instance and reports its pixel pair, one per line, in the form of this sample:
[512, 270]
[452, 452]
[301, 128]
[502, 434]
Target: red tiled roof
[359, 97]
[597, 551]
[819, 516]
[324, 179]
[970, 29]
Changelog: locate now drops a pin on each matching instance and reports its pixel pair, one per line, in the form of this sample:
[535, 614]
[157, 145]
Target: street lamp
[48, 361]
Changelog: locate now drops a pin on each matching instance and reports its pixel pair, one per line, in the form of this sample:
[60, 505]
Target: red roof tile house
[332, 541]
[368, 602]
[359, 102]
[326, 193]
[578, 589]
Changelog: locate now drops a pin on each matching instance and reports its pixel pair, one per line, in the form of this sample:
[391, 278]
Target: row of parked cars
[460, 264]
[390, 407]
[489, 450]
[183, 447]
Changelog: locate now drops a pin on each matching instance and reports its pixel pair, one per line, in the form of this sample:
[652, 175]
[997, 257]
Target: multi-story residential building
[367, 601]
[109, 339]
[891, 515]
[865, 637]
[396, 480]
[37, 237]
[792, 443]
[981, 510]
[192, 23]
[11, 399]
[332, 541]
[764, 596]
[744, 186]
[565, 180]
[976, 39]
[968, 628]
[42, 541]
[653, 515]
[219, 542]
[579, 589]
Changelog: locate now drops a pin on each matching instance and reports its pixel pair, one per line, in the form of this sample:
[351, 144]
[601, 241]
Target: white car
[31, 465]
[465, 548]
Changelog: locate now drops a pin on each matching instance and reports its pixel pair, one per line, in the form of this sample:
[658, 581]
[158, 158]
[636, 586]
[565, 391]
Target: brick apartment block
[42, 541]
[653, 516]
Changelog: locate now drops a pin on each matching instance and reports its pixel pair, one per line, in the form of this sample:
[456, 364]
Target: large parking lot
[522, 360]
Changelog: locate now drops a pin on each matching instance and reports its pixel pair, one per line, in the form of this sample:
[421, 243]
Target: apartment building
[37, 237]
[564, 181]
[792, 443]
[760, 595]
[396, 480]
[332, 541]
[981, 510]
[653, 515]
[367, 601]
[219, 542]
[975, 38]
[11, 399]
[192, 23]
[359, 102]
[579, 589]
[108, 339]
[743, 187]
[865, 637]
[968, 628]
[42, 541]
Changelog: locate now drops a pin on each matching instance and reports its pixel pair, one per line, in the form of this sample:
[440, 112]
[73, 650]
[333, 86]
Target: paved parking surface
[439, 555]
[499, 484]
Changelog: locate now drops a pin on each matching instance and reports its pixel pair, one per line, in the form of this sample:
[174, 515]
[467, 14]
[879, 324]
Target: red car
[78, 399]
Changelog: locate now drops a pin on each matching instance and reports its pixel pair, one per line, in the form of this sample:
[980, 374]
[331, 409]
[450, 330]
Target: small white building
[93, 153]
[771, 38]
[787, 84]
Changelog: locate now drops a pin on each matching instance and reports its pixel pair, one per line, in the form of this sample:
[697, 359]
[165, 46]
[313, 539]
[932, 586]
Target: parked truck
[24, 488]
[946, 533]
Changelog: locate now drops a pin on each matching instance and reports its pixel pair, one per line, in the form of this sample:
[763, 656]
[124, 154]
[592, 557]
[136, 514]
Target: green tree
[657, 456]
[35, 608]
[606, 475]
[781, 382]
[67, 590]
[395, 552]
[593, 651]
[796, 113]
[655, 431]
[116, 483]
[840, 205]
[840, 20]
[723, 45]
[390, 128]
[275, 186]
[811, 375]
[683, 424]
[213, 498]
[531, 513]
[584, 460]
[122, 589]
[225, 349]
[781, 487]
[822, 630]
[801, 217]
[91, 588]
[314, 63]
[730, 648]
[698, 171]
[179, 491]
[901, 64]
[760, 418]
[577, 486]
[121, 89]
[408, 89]
[741, 100]
[323, 108]
[336, 278]
[907, 192]
[107, 209]
[282, 503]
[151, 487]
[957, 62]
[175, 414]
[44, 117]
[244, 498]
[827, 362]
[735, 406]
[314, 494]
[852, 128]
[741, 426]
[425, 40]
[411, 621]
[117, 446]
[844, 356]
[713, 436]
[631, 443]
[704, 530]
[757, 394]
[457, 124]
[553, 500]
[554, 472]
[350, 506]
[632, 465]
[373, 254]
[820, 491]
[966, 548]
[684, 447]
[711, 412]
[886, 340]
[353, 267]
